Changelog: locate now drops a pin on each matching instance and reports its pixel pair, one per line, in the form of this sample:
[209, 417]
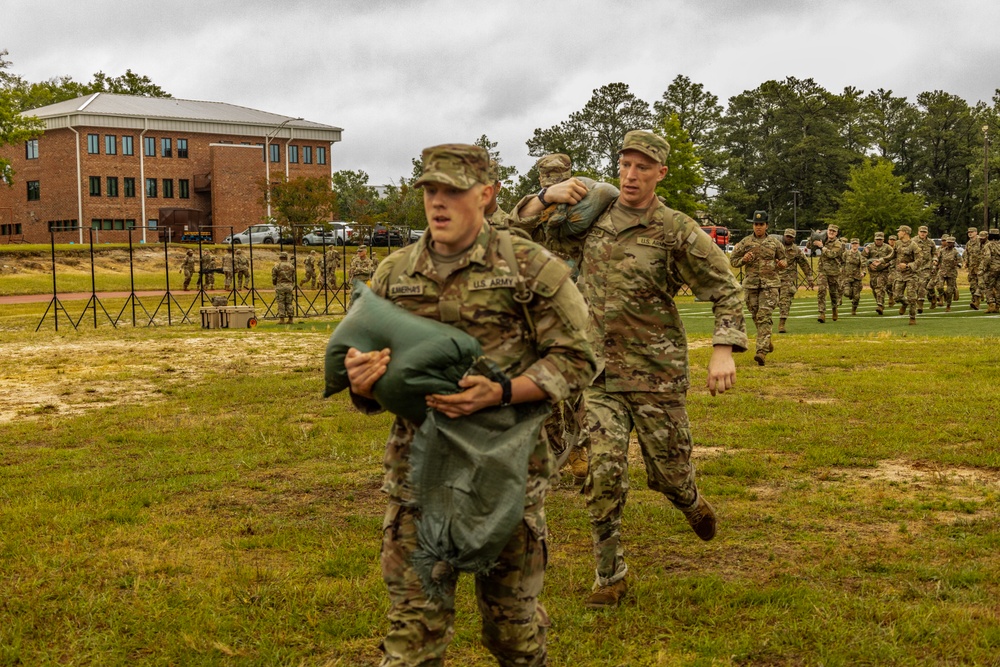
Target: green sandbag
[565, 221]
[470, 475]
[426, 356]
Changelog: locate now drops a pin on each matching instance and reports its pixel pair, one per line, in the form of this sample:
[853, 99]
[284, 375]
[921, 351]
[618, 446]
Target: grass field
[179, 496]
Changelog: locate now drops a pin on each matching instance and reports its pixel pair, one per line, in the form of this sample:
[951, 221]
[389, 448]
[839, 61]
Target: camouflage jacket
[568, 249]
[310, 263]
[990, 260]
[630, 277]
[362, 269]
[793, 260]
[188, 263]
[762, 270]
[478, 298]
[928, 252]
[332, 259]
[831, 258]
[208, 261]
[283, 273]
[878, 257]
[242, 263]
[948, 261]
[854, 265]
[906, 252]
[227, 263]
[973, 254]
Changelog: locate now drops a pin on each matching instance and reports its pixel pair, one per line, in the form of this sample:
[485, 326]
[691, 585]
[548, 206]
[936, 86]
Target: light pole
[267, 159]
[986, 177]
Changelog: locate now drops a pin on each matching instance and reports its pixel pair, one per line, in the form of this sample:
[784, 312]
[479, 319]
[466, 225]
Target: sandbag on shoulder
[565, 221]
[427, 356]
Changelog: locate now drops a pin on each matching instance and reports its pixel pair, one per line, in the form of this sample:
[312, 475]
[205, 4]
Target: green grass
[183, 496]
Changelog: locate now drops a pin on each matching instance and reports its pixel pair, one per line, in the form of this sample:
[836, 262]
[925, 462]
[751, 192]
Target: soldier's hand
[570, 191]
[364, 369]
[747, 258]
[721, 370]
[782, 263]
[480, 392]
[818, 244]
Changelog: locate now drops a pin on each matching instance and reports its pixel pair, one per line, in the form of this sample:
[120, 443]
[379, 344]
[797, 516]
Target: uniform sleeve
[804, 263]
[739, 252]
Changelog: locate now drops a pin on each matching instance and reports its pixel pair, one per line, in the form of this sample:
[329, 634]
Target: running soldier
[906, 256]
[925, 268]
[310, 265]
[227, 269]
[947, 271]
[794, 259]
[990, 281]
[831, 260]
[187, 267]
[208, 267]
[283, 279]
[854, 272]
[762, 259]
[973, 259]
[877, 256]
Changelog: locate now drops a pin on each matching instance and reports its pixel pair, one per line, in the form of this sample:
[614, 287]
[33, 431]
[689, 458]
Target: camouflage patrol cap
[879, 235]
[855, 240]
[994, 231]
[651, 145]
[905, 229]
[190, 251]
[973, 230]
[362, 247]
[758, 217]
[283, 255]
[832, 228]
[553, 168]
[458, 165]
[923, 228]
[983, 234]
[892, 237]
[790, 232]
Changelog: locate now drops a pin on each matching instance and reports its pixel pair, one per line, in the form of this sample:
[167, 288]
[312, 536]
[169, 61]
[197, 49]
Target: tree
[700, 116]
[299, 202]
[404, 205]
[128, 83]
[506, 174]
[680, 186]
[877, 200]
[356, 200]
[14, 128]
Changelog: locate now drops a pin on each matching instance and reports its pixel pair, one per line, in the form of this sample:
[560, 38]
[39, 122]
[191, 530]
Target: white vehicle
[336, 233]
[256, 234]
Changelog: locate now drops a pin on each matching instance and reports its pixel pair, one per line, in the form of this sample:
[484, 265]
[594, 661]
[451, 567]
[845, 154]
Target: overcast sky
[401, 75]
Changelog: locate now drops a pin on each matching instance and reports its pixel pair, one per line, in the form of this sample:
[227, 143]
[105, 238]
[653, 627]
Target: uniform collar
[420, 259]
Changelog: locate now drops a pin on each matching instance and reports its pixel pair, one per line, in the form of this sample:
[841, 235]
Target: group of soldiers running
[233, 267]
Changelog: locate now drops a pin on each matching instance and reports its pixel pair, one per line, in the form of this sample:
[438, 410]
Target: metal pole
[93, 283]
[166, 264]
[55, 300]
[131, 274]
[986, 177]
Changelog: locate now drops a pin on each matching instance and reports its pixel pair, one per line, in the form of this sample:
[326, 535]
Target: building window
[93, 144]
[293, 154]
[165, 148]
[150, 187]
[168, 188]
[275, 153]
[118, 224]
[112, 188]
[182, 148]
[95, 186]
[150, 144]
[152, 222]
[110, 144]
[128, 184]
[34, 191]
[320, 155]
[62, 225]
[107, 224]
[127, 145]
[31, 149]
[184, 189]
[307, 155]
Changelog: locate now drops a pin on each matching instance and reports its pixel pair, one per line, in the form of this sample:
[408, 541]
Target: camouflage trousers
[823, 284]
[242, 279]
[924, 281]
[852, 290]
[284, 300]
[761, 302]
[989, 285]
[879, 281]
[904, 291]
[974, 283]
[310, 277]
[947, 288]
[514, 623]
[786, 294]
[564, 428]
[187, 277]
[229, 279]
[664, 433]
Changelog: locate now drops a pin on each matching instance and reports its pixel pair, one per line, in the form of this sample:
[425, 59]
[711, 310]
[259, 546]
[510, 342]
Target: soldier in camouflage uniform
[877, 257]
[762, 259]
[328, 278]
[635, 259]
[893, 271]
[283, 279]
[495, 215]
[790, 276]
[460, 263]
[362, 268]
[227, 269]
[990, 265]
[925, 268]
[310, 264]
[242, 270]
[854, 272]
[831, 260]
[906, 257]
[948, 261]
[208, 266]
[187, 267]
[972, 260]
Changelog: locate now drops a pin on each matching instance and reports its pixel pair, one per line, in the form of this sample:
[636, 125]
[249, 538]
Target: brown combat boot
[821, 319]
[902, 309]
[879, 310]
[947, 308]
[933, 303]
[854, 310]
[759, 358]
[913, 320]
[577, 463]
[701, 517]
[920, 306]
[781, 325]
[834, 314]
[606, 597]
[974, 304]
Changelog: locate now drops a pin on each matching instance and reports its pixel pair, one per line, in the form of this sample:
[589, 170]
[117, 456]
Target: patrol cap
[283, 255]
[855, 240]
[879, 235]
[892, 237]
[994, 231]
[790, 232]
[651, 145]
[983, 234]
[458, 165]
[758, 217]
[833, 228]
[904, 228]
[553, 168]
[923, 228]
[362, 247]
[973, 230]
[190, 251]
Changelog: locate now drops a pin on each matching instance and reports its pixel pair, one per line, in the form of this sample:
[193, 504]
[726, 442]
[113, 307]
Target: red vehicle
[719, 234]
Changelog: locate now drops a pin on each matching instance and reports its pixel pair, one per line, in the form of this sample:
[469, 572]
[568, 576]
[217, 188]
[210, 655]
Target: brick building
[112, 162]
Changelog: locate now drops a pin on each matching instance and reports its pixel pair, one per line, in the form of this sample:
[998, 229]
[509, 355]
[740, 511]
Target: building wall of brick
[234, 163]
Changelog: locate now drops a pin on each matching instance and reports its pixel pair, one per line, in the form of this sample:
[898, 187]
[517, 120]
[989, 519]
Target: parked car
[336, 233]
[386, 236]
[256, 234]
[416, 234]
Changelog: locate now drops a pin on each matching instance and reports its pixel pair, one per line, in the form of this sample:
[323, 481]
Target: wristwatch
[505, 392]
[541, 197]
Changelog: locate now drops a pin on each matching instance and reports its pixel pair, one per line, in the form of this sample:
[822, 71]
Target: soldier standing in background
[893, 271]
[310, 265]
[972, 259]
[187, 267]
[362, 268]
[762, 259]
[948, 261]
[495, 215]
[790, 276]
[854, 272]
[331, 266]
[283, 279]
[925, 268]
[906, 257]
[878, 256]
[208, 266]
[990, 280]
[242, 266]
[227, 269]
[831, 259]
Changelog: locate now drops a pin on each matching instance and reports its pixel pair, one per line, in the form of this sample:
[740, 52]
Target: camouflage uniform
[925, 268]
[633, 266]
[990, 266]
[905, 288]
[948, 261]
[972, 260]
[283, 279]
[761, 282]
[208, 265]
[477, 298]
[187, 267]
[831, 261]
[310, 265]
[854, 272]
[227, 270]
[242, 271]
[361, 269]
[329, 277]
[877, 256]
[893, 271]
[794, 259]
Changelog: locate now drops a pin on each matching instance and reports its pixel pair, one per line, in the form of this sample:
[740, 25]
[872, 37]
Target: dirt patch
[919, 471]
